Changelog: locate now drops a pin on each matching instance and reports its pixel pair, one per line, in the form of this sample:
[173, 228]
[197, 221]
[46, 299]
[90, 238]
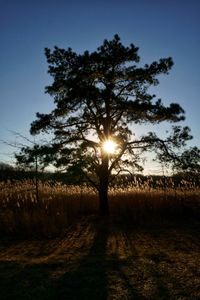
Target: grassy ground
[104, 259]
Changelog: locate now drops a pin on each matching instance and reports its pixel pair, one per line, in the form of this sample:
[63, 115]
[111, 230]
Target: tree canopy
[98, 97]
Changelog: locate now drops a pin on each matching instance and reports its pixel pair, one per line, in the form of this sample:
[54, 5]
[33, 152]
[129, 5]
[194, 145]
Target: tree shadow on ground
[97, 273]
[84, 278]
[91, 280]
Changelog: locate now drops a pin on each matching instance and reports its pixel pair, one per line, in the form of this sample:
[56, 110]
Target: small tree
[97, 97]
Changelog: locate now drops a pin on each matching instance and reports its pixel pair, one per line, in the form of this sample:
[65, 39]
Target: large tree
[98, 96]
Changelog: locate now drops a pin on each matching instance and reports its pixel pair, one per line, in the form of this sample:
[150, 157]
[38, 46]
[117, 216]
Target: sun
[109, 146]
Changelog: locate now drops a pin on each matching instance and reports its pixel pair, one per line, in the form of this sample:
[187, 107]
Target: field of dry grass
[21, 213]
[58, 248]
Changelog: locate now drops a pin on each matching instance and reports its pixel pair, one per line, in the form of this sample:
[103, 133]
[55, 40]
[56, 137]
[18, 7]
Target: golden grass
[59, 205]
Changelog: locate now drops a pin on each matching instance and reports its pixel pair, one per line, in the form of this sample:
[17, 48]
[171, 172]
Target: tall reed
[59, 205]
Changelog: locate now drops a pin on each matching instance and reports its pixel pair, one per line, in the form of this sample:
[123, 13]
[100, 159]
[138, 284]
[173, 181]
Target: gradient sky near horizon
[159, 28]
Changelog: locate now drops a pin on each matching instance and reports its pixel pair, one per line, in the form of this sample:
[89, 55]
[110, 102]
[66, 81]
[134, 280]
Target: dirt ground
[104, 259]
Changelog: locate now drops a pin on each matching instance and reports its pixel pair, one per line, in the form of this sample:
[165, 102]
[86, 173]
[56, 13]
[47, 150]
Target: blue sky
[159, 28]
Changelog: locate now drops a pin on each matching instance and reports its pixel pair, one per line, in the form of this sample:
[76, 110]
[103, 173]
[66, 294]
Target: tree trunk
[103, 187]
[103, 197]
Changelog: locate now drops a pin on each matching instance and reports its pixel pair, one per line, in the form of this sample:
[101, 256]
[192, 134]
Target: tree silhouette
[97, 97]
[189, 161]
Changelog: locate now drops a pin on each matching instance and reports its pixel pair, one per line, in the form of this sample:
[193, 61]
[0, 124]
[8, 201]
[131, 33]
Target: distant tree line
[11, 173]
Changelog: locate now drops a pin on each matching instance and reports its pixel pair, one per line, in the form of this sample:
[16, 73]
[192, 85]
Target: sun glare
[109, 146]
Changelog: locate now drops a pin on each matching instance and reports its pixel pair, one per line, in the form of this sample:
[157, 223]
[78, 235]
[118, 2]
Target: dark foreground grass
[104, 259]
